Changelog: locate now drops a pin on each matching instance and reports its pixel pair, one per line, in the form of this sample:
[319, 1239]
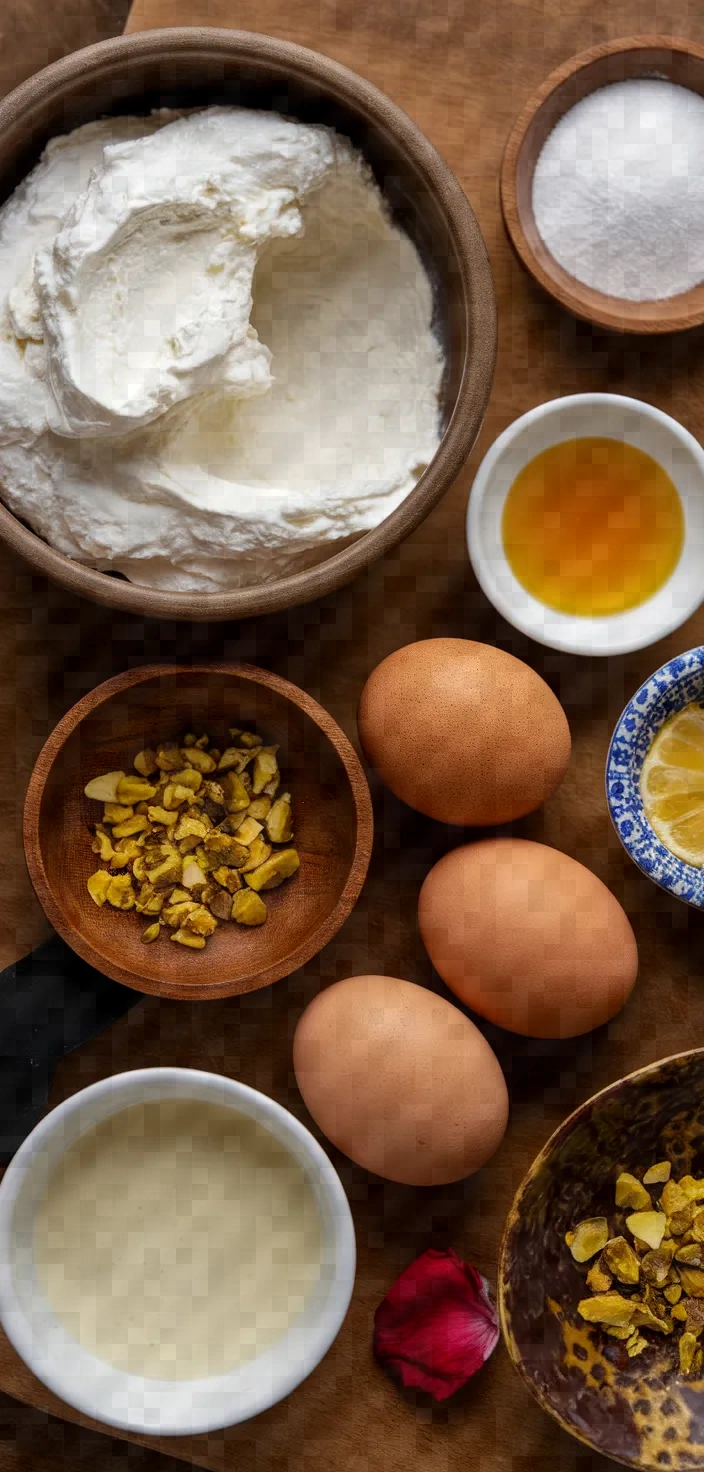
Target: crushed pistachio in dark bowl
[606, 1344]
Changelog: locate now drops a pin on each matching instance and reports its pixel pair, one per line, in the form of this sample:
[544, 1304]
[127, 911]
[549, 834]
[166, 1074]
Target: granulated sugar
[618, 190]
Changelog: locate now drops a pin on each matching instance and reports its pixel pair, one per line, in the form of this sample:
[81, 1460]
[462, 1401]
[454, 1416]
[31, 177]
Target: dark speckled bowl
[640, 1411]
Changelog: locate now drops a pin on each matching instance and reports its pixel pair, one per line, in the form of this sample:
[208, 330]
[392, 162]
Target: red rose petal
[437, 1325]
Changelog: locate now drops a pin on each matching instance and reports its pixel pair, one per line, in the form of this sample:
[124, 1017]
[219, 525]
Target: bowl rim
[623, 767]
[480, 322]
[364, 834]
[326, 1184]
[574, 635]
[513, 1217]
[668, 314]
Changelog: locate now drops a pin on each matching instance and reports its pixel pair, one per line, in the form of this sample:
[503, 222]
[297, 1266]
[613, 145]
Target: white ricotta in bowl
[217, 362]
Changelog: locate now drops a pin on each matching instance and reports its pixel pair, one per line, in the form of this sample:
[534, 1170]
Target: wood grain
[463, 69]
[682, 62]
[160, 703]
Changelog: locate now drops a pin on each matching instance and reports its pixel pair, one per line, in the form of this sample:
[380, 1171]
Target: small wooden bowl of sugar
[603, 195]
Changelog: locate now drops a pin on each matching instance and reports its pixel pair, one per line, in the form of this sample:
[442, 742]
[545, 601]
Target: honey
[592, 527]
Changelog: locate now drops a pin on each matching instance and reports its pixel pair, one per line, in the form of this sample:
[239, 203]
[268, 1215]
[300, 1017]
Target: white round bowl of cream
[176, 1251]
[243, 350]
[579, 418]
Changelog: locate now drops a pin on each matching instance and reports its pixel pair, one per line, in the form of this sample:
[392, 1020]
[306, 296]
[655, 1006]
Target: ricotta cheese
[217, 360]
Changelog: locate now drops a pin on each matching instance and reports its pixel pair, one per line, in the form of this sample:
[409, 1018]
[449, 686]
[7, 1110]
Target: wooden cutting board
[462, 70]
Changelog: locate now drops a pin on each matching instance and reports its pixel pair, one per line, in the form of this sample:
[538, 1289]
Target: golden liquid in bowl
[592, 527]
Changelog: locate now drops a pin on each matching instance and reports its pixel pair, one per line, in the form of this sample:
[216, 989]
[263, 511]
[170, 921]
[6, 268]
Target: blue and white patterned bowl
[677, 684]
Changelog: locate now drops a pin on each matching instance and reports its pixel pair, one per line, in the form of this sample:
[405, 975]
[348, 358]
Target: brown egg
[400, 1080]
[527, 937]
[463, 732]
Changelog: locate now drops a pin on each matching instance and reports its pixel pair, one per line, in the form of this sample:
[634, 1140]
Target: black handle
[50, 1002]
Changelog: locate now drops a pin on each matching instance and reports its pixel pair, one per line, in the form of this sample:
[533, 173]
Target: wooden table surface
[462, 69]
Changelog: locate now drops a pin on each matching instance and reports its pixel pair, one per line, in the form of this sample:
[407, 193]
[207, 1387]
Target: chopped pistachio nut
[645, 1318]
[167, 839]
[120, 893]
[160, 816]
[187, 777]
[188, 938]
[168, 757]
[658, 1173]
[116, 812]
[588, 1238]
[630, 1192]
[664, 1262]
[102, 844]
[220, 903]
[693, 1190]
[176, 793]
[279, 820]
[673, 1198]
[98, 886]
[621, 1260]
[104, 789]
[201, 760]
[259, 852]
[697, 1227]
[134, 789]
[692, 1279]
[598, 1279]
[228, 878]
[149, 901]
[136, 824]
[259, 808]
[280, 866]
[607, 1308]
[691, 1255]
[248, 908]
[145, 762]
[233, 759]
[695, 1315]
[215, 792]
[265, 769]
[648, 1227]
[655, 1265]
[690, 1354]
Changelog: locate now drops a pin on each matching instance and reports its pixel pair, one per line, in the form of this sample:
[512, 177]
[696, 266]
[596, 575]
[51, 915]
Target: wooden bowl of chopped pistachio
[197, 831]
[601, 1277]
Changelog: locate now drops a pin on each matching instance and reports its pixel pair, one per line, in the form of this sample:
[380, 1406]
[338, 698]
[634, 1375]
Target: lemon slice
[672, 785]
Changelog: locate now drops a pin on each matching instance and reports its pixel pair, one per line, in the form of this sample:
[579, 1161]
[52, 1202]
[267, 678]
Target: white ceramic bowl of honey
[182, 1403]
[585, 524]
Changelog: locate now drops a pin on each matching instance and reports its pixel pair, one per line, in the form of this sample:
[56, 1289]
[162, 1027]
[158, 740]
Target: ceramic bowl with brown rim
[197, 66]
[672, 58]
[640, 1411]
[333, 825]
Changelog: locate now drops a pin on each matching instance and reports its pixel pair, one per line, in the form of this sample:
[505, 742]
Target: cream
[177, 1240]
[217, 364]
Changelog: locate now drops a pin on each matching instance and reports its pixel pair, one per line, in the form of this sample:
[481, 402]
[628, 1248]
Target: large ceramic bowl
[197, 66]
[638, 1411]
[132, 1402]
[676, 684]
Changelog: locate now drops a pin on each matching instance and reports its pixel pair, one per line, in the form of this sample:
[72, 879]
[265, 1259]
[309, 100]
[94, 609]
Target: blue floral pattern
[677, 684]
